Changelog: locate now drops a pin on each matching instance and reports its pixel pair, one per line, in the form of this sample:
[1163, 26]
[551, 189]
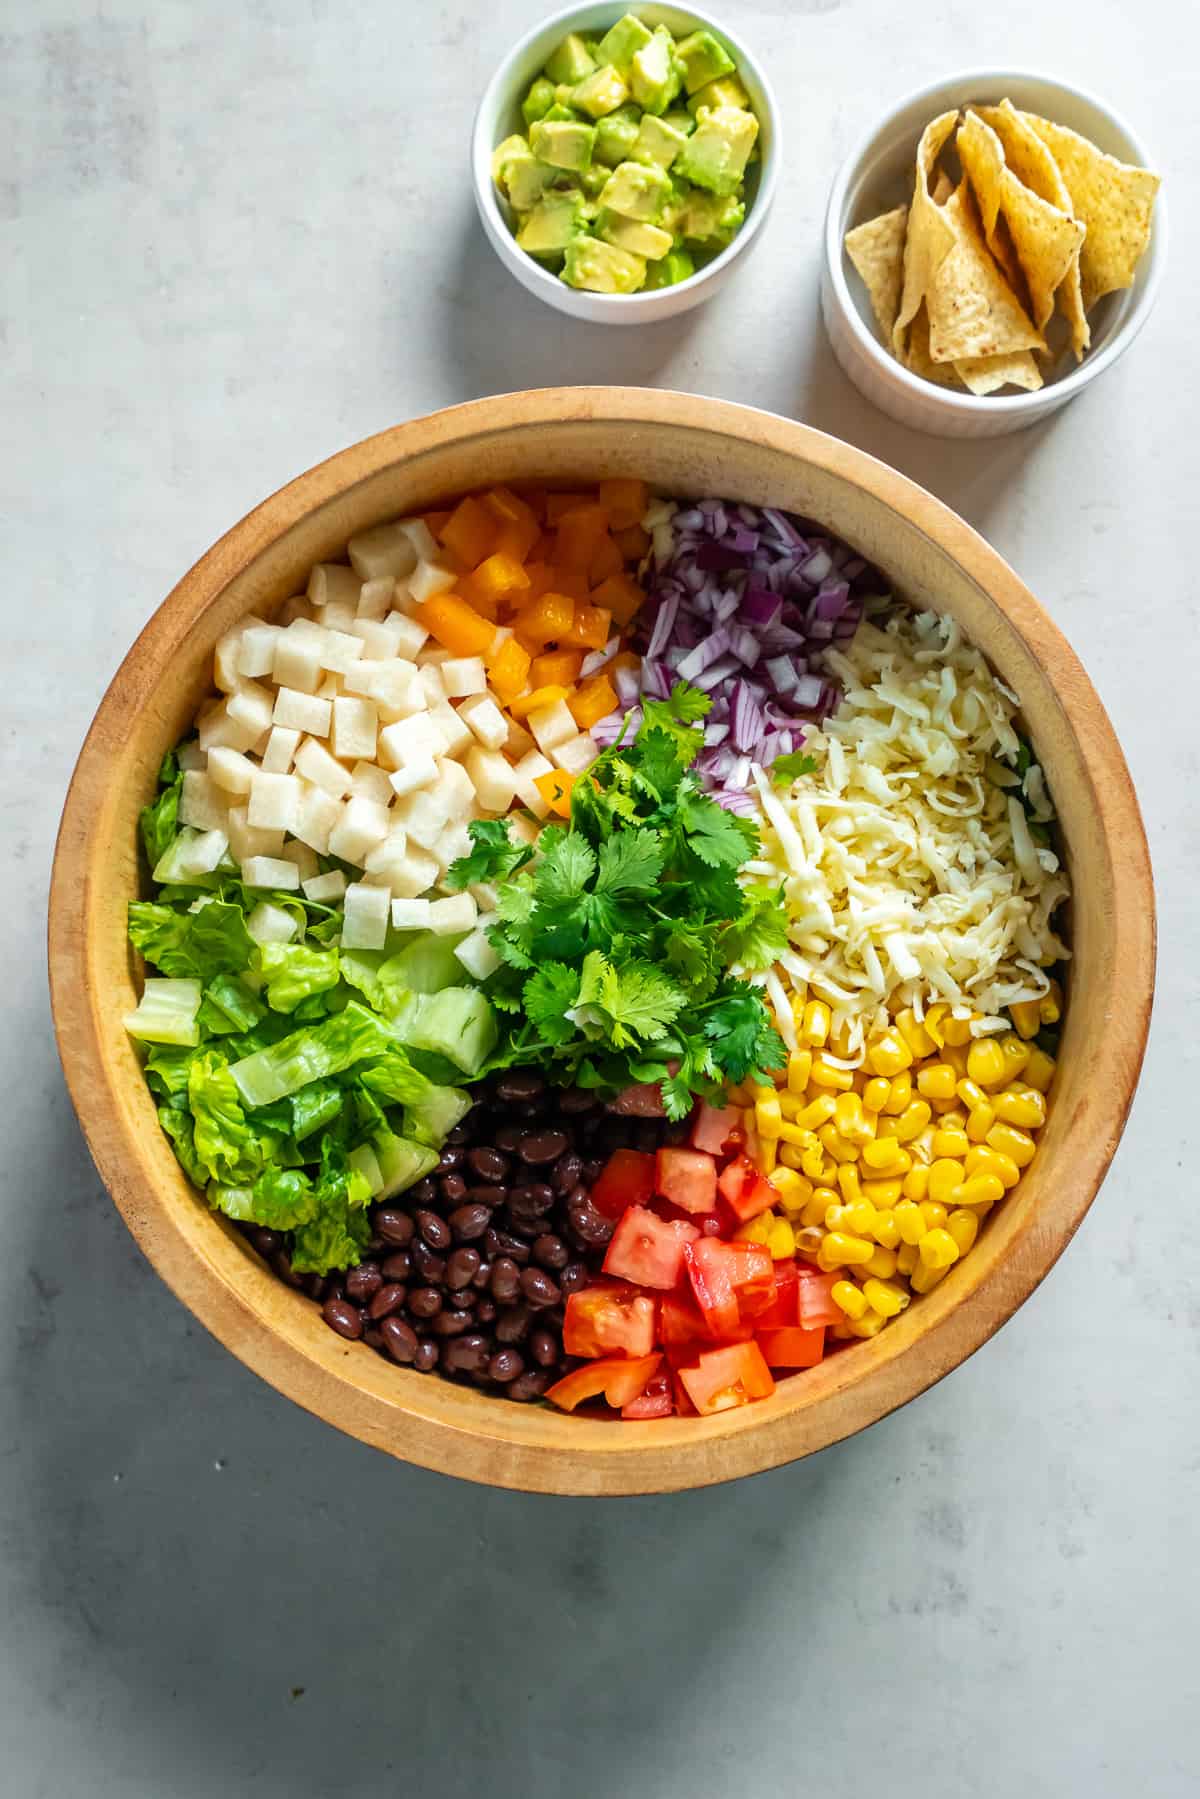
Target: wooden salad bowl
[688, 446]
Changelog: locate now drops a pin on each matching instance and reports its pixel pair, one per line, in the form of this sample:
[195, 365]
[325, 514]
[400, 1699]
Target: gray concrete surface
[234, 237]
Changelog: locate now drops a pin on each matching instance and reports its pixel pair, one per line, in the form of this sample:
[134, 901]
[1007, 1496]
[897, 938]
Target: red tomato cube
[619, 1379]
[713, 1126]
[732, 1282]
[792, 1347]
[648, 1250]
[816, 1304]
[745, 1190]
[657, 1400]
[688, 1178]
[627, 1179]
[724, 1378]
[783, 1312]
[609, 1319]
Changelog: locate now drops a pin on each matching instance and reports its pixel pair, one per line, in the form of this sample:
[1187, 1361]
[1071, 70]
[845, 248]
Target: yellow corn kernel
[875, 1094]
[790, 1104]
[837, 1215]
[849, 1297]
[1023, 1106]
[1039, 1070]
[1017, 1145]
[985, 1063]
[861, 1218]
[1051, 1004]
[781, 1240]
[945, 1176]
[935, 1017]
[835, 1145]
[744, 1094]
[921, 1148]
[951, 1143]
[818, 1112]
[791, 1156]
[979, 1190]
[814, 1027]
[909, 1221]
[887, 1231]
[799, 1001]
[1016, 1055]
[869, 1325]
[983, 1160]
[916, 1183]
[884, 1297]
[826, 1073]
[925, 1278]
[828, 1172]
[793, 1132]
[767, 1155]
[938, 1248]
[843, 1331]
[933, 1215]
[885, 1156]
[850, 1119]
[812, 1163]
[840, 1042]
[756, 1230]
[882, 1193]
[912, 1121]
[914, 1033]
[970, 1094]
[767, 1116]
[936, 1081]
[799, 1067]
[956, 1032]
[815, 1208]
[1027, 1017]
[888, 1054]
[956, 1055]
[907, 1257]
[980, 1122]
[882, 1265]
[900, 1092]
[792, 1188]
[809, 1241]
[885, 1127]
[844, 1251]
[964, 1228]
[848, 1183]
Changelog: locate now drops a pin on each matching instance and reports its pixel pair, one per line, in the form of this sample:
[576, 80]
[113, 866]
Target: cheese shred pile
[914, 859]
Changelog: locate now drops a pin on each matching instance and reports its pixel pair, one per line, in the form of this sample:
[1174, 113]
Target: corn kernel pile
[886, 1170]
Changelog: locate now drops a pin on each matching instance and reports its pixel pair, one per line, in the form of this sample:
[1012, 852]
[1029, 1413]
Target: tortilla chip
[930, 236]
[972, 309]
[877, 251]
[1045, 238]
[943, 187]
[984, 374]
[1115, 201]
[918, 359]
[1032, 162]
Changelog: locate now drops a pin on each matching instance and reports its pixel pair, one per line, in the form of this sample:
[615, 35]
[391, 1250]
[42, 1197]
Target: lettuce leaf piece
[313, 1107]
[394, 1079]
[166, 1071]
[159, 821]
[180, 1128]
[361, 968]
[339, 1229]
[293, 973]
[229, 1007]
[283, 1198]
[225, 1143]
[198, 945]
[310, 1054]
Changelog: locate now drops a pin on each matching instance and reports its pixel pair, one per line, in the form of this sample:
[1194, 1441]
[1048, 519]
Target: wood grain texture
[690, 446]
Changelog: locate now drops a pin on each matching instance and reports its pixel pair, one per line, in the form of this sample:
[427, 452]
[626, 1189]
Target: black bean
[506, 1280]
[593, 1169]
[461, 1268]
[505, 1365]
[482, 1275]
[485, 1310]
[372, 1336]
[508, 1137]
[426, 1358]
[544, 1347]
[538, 1288]
[282, 1264]
[399, 1339]
[567, 1172]
[333, 1287]
[530, 1385]
[394, 1226]
[431, 1268]
[422, 1193]
[461, 1132]
[469, 1223]
[435, 1230]
[538, 1147]
[550, 1251]
[389, 1299]
[574, 1276]
[577, 1100]
[464, 1300]
[343, 1318]
[489, 1164]
[454, 1189]
[396, 1267]
[267, 1242]
[504, 1243]
[591, 1225]
[451, 1158]
[314, 1285]
[425, 1302]
[450, 1324]
[531, 1200]
[469, 1355]
[519, 1083]
[512, 1326]
[491, 1197]
[361, 1282]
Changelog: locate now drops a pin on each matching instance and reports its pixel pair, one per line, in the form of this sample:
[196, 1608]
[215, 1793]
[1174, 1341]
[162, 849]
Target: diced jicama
[326, 889]
[230, 770]
[192, 853]
[491, 776]
[486, 895]
[396, 690]
[456, 790]
[270, 871]
[384, 550]
[419, 771]
[476, 953]
[371, 782]
[409, 635]
[433, 655]
[417, 875]
[305, 859]
[298, 659]
[282, 745]
[269, 923]
[340, 649]
[455, 841]
[358, 677]
[378, 639]
[166, 1013]
[355, 727]
[330, 688]
[256, 650]
[301, 712]
[190, 755]
[202, 803]
[430, 578]
[314, 762]
[423, 815]
[362, 825]
[331, 582]
[245, 840]
[375, 599]
[339, 615]
[525, 777]
[418, 735]
[456, 913]
[410, 914]
[463, 676]
[419, 535]
[522, 829]
[318, 813]
[252, 706]
[576, 754]
[433, 685]
[455, 732]
[215, 727]
[274, 802]
[365, 922]
[552, 725]
[486, 721]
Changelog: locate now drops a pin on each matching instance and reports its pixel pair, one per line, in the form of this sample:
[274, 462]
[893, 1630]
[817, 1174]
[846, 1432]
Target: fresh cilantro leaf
[494, 854]
[718, 838]
[548, 996]
[741, 1034]
[786, 769]
[679, 719]
[630, 863]
[759, 936]
[691, 955]
[566, 863]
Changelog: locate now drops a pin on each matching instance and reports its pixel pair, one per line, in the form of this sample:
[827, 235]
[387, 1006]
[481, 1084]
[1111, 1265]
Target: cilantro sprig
[616, 939]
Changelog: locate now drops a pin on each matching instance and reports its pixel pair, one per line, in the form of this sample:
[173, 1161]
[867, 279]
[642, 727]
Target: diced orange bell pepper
[632, 542]
[558, 503]
[541, 580]
[436, 522]
[576, 587]
[558, 668]
[594, 700]
[590, 628]
[519, 527]
[471, 531]
[508, 670]
[626, 501]
[580, 532]
[499, 578]
[607, 561]
[542, 549]
[536, 700]
[455, 625]
[622, 596]
[555, 788]
[548, 620]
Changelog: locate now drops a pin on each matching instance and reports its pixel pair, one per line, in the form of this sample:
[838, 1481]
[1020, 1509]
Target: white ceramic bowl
[877, 175]
[499, 115]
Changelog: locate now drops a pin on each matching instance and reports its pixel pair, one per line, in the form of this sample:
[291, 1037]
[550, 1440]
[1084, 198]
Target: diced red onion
[706, 653]
[716, 673]
[660, 637]
[628, 685]
[715, 732]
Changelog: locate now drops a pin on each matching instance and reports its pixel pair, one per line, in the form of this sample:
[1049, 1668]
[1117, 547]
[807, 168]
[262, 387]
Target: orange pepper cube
[626, 501]
[497, 579]
[508, 670]
[519, 527]
[456, 626]
[547, 621]
[558, 503]
[580, 532]
[558, 668]
[632, 542]
[471, 532]
[607, 561]
[555, 789]
[590, 627]
[594, 700]
[622, 596]
[436, 522]
[536, 701]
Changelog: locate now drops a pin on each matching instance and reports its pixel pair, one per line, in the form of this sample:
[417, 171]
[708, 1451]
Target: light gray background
[235, 237]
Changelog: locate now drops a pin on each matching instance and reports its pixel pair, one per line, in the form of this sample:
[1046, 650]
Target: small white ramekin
[877, 175]
[499, 114]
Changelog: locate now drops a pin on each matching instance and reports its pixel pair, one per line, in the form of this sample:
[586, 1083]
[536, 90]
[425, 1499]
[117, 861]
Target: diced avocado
[675, 267]
[401, 1161]
[710, 219]
[562, 143]
[620, 45]
[637, 189]
[703, 59]
[600, 93]
[658, 142]
[566, 114]
[633, 235]
[716, 154]
[680, 121]
[726, 90]
[537, 101]
[656, 74]
[592, 180]
[505, 153]
[457, 1023]
[616, 135]
[571, 61]
[551, 225]
[601, 267]
[526, 179]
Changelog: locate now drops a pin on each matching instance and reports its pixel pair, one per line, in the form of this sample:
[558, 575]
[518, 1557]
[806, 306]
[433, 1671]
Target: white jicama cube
[419, 771]
[552, 725]
[371, 782]
[432, 684]
[355, 728]
[291, 610]
[325, 889]
[384, 550]
[410, 636]
[274, 802]
[319, 811]
[485, 720]
[199, 856]
[297, 661]
[455, 731]
[416, 876]
[190, 756]
[375, 599]
[302, 712]
[333, 581]
[396, 690]
[215, 728]
[476, 953]
[430, 578]
[576, 754]
[522, 829]
[387, 865]
[418, 735]
[433, 656]
[462, 676]
[456, 790]
[270, 871]
[282, 745]
[304, 858]
[256, 652]
[339, 615]
[393, 845]
[410, 914]
[491, 777]
[366, 919]
[455, 841]
[423, 815]
[487, 896]
[245, 841]
[252, 706]
[378, 645]
[314, 762]
[449, 916]
[421, 538]
[271, 924]
[525, 776]
[358, 677]
[330, 688]
[339, 650]
[227, 656]
[231, 771]
[202, 804]
[362, 825]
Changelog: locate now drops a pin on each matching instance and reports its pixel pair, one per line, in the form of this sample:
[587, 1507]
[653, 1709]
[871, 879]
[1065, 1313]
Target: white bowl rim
[981, 404]
[756, 217]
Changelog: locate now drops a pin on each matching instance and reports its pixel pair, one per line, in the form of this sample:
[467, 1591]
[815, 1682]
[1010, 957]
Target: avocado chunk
[703, 59]
[726, 90]
[679, 120]
[716, 154]
[672, 268]
[563, 143]
[620, 45]
[657, 142]
[637, 190]
[616, 135]
[602, 268]
[633, 235]
[709, 219]
[600, 93]
[526, 179]
[566, 115]
[538, 101]
[551, 225]
[571, 61]
[656, 74]
[505, 153]
[592, 180]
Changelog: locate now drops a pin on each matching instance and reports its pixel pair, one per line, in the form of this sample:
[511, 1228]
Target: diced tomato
[627, 1179]
[679, 1321]
[745, 1189]
[656, 1401]
[712, 1127]
[619, 1379]
[647, 1250]
[792, 1347]
[724, 1378]
[682, 1356]
[731, 1282]
[816, 1304]
[609, 1319]
[688, 1178]
[782, 1313]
